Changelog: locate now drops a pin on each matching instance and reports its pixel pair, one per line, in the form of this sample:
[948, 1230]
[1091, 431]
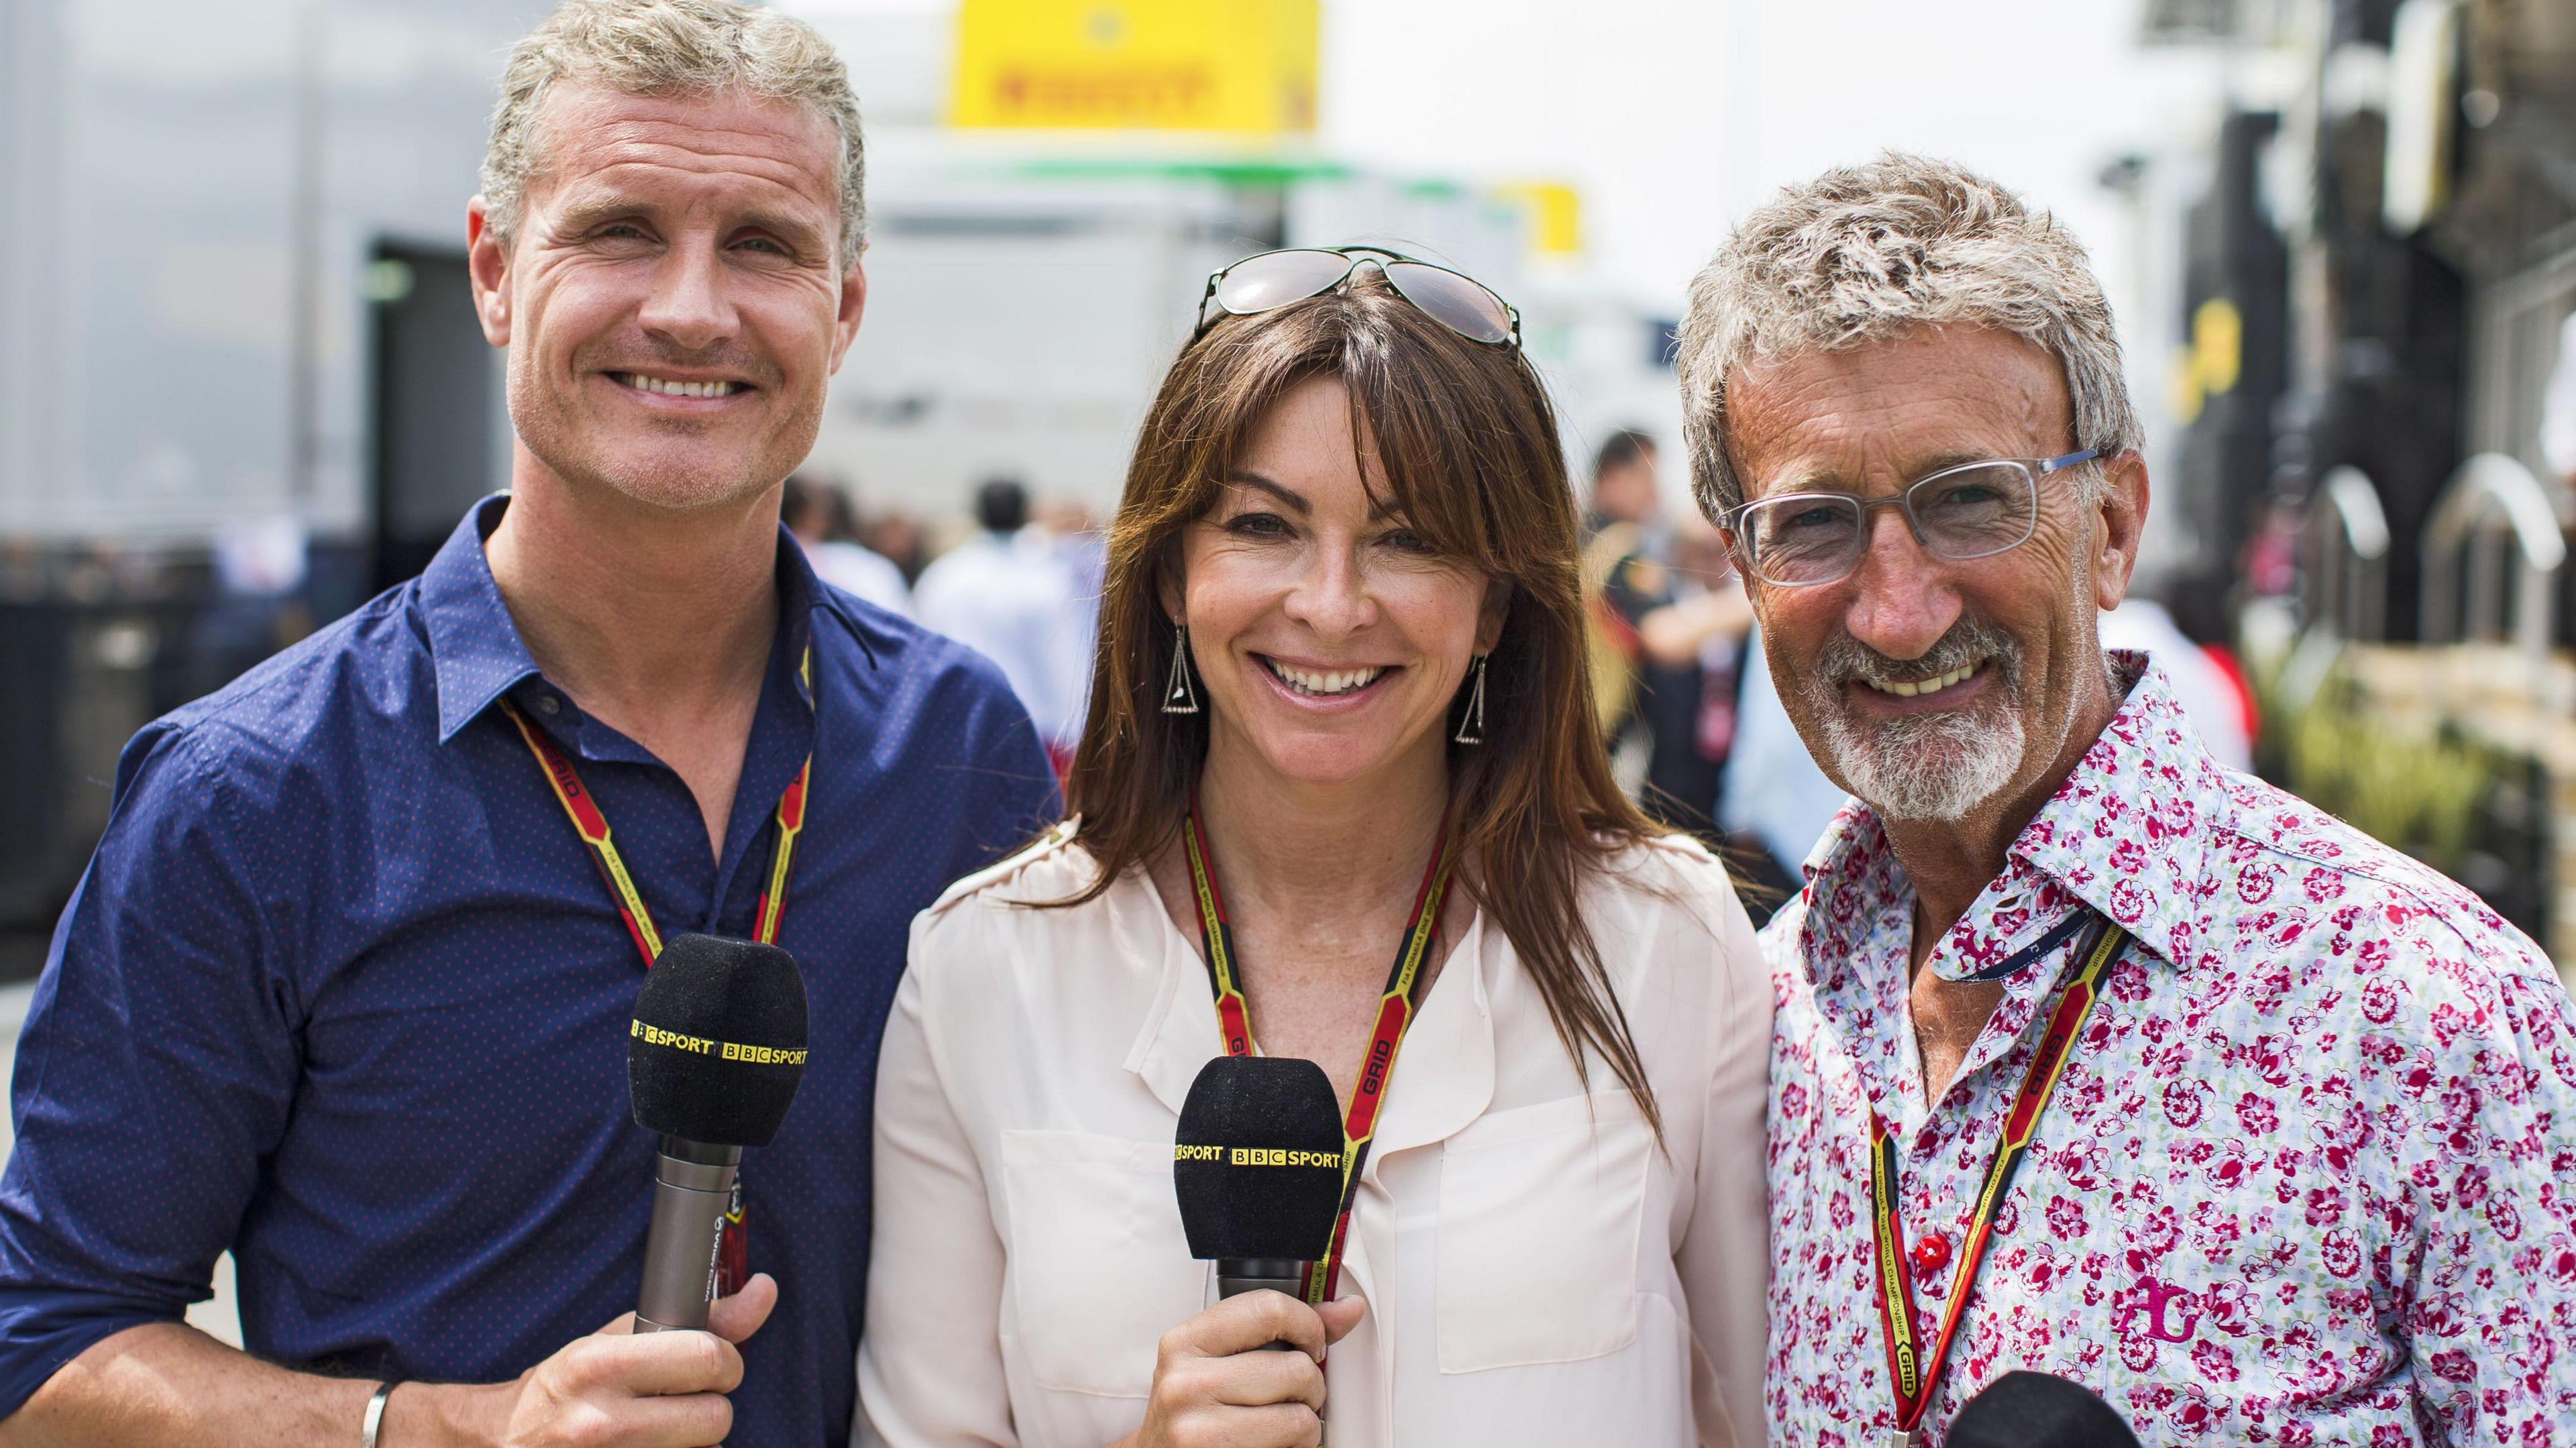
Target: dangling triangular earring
[1180, 698]
[1471, 728]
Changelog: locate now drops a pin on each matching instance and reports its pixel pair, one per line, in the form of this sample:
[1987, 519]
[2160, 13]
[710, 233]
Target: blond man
[345, 991]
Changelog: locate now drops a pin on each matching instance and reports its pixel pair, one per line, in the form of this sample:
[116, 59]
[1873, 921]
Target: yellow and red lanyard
[1394, 1014]
[733, 1249]
[1911, 1370]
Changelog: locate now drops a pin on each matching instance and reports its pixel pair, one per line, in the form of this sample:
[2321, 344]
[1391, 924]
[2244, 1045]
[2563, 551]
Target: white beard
[1930, 767]
[1940, 767]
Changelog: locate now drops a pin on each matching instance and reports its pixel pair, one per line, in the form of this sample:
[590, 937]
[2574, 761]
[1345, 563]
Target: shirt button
[549, 704]
[1931, 1254]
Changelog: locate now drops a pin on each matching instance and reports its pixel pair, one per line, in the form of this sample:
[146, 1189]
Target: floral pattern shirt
[2308, 1178]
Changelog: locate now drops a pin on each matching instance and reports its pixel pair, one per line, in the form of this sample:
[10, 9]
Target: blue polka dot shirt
[343, 992]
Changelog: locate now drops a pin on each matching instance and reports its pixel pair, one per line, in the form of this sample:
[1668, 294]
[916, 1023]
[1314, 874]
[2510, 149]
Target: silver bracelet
[374, 1422]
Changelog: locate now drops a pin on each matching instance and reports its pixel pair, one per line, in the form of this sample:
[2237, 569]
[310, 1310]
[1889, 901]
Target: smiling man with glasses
[2091, 1057]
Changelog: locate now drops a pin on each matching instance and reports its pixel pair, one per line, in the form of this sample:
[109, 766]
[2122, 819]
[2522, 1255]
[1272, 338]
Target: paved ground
[217, 1316]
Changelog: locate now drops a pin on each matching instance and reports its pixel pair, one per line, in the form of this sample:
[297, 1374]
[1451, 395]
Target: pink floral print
[2310, 1177]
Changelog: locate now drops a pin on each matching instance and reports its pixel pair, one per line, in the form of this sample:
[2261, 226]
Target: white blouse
[1536, 1269]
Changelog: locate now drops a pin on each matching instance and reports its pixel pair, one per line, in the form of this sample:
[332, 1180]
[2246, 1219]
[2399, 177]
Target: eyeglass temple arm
[1199, 318]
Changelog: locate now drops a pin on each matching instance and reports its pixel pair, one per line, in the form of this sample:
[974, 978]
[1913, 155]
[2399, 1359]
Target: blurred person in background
[1626, 495]
[818, 513]
[1079, 541]
[2209, 694]
[346, 991]
[2290, 1114]
[1010, 593]
[897, 538]
[2269, 561]
[261, 565]
[1690, 647]
[1625, 548]
[1342, 669]
[1084, 549]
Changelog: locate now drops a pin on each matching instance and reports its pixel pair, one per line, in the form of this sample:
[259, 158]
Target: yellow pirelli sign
[1245, 66]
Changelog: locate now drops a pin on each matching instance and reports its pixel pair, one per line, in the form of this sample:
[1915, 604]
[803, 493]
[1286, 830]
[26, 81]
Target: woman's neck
[1321, 851]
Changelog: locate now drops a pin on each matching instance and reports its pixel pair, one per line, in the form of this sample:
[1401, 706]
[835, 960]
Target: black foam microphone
[1258, 1166]
[2038, 1410]
[713, 1058]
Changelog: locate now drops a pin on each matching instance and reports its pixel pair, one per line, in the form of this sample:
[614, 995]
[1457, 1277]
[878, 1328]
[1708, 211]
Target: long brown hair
[1466, 440]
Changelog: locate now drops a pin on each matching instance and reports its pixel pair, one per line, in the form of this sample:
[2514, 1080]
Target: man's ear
[854, 301]
[487, 266]
[2120, 526]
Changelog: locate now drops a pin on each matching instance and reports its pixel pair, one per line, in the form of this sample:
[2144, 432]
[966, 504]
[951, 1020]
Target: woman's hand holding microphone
[1219, 1384]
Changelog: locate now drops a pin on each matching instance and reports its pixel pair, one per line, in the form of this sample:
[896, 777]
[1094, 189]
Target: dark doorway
[439, 427]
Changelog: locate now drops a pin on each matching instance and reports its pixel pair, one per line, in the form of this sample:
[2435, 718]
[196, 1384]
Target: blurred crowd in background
[242, 387]
[1018, 584]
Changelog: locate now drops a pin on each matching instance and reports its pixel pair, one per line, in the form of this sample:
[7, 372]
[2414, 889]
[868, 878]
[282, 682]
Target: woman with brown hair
[1339, 703]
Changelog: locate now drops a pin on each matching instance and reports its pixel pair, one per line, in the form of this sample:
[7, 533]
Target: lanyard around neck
[1912, 1371]
[1394, 1015]
[582, 808]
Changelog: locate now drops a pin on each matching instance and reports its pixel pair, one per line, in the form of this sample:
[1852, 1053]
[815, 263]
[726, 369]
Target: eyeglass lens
[1464, 306]
[1963, 513]
[1260, 283]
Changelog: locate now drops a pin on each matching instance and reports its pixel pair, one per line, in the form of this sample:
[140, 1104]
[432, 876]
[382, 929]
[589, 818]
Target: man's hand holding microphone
[713, 1057]
[712, 1060]
[617, 1386]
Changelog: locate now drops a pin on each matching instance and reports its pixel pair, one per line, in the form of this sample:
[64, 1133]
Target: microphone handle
[1236, 1276]
[692, 1187]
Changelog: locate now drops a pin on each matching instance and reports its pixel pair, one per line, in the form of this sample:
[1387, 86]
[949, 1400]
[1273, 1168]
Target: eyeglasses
[1974, 510]
[1272, 279]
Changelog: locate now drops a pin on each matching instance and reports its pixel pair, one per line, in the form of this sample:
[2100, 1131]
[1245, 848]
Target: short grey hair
[669, 48]
[1867, 253]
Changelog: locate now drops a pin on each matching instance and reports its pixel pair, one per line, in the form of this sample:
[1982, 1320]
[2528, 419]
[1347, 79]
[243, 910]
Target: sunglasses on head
[1270, 280]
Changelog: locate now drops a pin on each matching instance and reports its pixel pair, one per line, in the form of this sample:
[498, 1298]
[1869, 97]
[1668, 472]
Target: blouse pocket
[1099, 1268]
[1540, 1209]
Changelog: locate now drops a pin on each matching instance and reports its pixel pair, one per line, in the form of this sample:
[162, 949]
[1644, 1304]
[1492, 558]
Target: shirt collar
[475, 648]
[799, 594]
[2125, 833]
[2129, 830]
